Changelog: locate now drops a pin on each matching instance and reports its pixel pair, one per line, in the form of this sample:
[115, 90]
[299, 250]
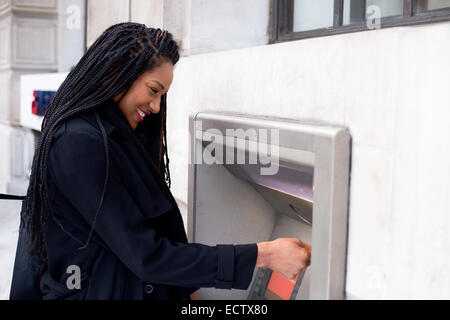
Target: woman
[99, 205]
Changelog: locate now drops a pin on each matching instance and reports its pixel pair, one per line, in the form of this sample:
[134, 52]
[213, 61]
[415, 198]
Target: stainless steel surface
[306, 198]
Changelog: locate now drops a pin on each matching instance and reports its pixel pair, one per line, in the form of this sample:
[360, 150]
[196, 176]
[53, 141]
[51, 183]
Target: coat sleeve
[77, 166]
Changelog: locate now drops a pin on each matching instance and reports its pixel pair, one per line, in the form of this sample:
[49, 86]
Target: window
[310, 15]
[426, 5]
[299, 19]
[357, 11]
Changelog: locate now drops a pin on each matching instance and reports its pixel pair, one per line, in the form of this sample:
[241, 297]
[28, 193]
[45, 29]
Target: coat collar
[106, 107]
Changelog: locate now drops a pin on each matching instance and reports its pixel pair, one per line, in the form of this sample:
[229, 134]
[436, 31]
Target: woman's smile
[141, 114]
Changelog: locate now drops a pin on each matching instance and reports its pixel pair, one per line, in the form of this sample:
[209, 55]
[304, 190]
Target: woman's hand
[287, 256]
[194, 296]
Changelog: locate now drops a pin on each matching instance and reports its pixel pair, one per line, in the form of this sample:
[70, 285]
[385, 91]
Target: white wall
[105, 13]
[213, 25]
[71, 33]
[390, 88]
[199, 25]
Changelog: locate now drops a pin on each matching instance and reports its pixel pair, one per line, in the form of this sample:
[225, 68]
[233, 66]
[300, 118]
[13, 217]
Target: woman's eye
[153, 90]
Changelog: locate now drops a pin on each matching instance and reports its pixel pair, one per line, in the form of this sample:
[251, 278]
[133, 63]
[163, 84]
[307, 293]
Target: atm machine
[257, 179]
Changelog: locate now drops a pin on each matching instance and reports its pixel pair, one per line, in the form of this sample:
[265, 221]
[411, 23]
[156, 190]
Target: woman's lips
[144, 111]
[139, 118]
[141, 114]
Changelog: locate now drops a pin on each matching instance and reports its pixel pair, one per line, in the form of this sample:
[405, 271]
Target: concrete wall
[100, 18]
[71, 33]
[199, 25]
[28, 44]
[390, 88]
[28, 37]
[214, 25]
[149, 12]
[36, 37]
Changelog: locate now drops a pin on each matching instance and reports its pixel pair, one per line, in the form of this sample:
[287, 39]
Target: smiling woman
[144, 95]
[99, 200]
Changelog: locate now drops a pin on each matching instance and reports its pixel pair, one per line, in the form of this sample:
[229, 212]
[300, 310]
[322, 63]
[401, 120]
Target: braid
[163, 146]
[114, 61]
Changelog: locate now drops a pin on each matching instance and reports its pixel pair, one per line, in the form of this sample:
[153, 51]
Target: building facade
[379, 69]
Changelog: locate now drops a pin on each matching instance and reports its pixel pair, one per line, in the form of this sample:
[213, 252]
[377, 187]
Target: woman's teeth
[142, 114]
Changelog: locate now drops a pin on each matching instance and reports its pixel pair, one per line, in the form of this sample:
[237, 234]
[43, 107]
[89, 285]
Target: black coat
[138, 248]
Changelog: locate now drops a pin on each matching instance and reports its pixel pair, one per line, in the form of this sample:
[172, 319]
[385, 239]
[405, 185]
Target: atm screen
[279, 287]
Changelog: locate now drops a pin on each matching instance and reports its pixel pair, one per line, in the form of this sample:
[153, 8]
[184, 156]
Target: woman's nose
[155, 105]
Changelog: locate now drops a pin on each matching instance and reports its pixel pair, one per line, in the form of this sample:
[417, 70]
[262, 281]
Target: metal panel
[229, 204]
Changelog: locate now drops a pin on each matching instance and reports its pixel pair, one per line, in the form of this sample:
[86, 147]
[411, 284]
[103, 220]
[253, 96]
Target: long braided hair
[109, 67]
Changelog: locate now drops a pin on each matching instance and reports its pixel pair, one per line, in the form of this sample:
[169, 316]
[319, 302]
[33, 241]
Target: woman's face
[144, 95]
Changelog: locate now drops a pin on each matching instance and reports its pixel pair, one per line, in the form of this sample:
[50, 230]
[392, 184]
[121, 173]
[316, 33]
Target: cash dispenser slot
[289, 192]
